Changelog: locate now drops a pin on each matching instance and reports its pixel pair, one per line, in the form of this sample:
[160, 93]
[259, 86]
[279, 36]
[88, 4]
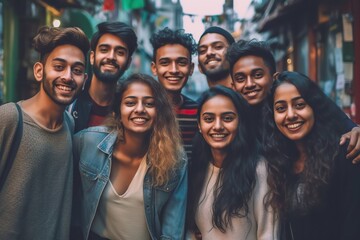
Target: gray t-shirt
[35, 202]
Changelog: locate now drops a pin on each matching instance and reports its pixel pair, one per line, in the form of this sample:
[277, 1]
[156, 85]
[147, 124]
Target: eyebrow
[224, 113]
[293, 99]
[116, 47]
[146, 97]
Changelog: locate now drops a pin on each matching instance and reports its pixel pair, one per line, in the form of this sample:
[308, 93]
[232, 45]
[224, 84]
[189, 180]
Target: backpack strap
[14, 147]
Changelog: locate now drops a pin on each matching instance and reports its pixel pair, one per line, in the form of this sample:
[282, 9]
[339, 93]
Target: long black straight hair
[236, 180]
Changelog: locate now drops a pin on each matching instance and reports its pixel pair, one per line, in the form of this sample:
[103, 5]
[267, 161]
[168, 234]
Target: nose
[209, 51]
[218, 125]
[111, 54]
[139, 108]
[67, 74]
[249, 82]
[291, 114]
[174, 67]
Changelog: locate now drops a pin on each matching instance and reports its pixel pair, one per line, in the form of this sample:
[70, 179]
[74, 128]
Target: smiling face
[212, 56]
[252, 79]
[219, 122]
[63, 74]
[293, 116]
[110, 59]
[172, 67]
[137, 108]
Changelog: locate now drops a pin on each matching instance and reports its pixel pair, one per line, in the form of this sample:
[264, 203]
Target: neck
[45, 111]
[226, 81]
[176, 99]
[218, 157]
[102, 93]
[135, 145]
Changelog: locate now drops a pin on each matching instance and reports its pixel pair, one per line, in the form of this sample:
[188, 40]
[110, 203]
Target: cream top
[123, 216]
[259, 224]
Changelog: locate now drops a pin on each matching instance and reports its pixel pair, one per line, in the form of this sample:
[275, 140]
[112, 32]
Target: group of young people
[260, 155]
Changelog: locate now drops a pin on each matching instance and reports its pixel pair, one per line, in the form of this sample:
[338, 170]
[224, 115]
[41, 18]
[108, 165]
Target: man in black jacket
[111, 52]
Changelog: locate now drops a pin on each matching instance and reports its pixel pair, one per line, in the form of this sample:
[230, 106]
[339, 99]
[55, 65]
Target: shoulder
[97, 130]
[8, 114]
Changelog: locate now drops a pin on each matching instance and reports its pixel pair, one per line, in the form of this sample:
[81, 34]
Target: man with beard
[212, 48]
[112, 47]
[37, 176]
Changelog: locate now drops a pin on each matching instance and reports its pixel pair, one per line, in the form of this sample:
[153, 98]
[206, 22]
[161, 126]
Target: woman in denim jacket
[133, 170]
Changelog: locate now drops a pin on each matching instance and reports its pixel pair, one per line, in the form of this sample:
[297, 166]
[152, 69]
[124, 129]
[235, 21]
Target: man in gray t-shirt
[36, 195]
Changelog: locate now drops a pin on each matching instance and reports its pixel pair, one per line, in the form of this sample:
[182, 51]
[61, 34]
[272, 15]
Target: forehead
[218, 104]
[111, 40]
[172, 51]
[211, 38]
[286, 91]
[138, 89]
[68, 53]
[248, 63]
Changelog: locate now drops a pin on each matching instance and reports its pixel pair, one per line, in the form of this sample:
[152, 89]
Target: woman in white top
[133, 171]
[227, 176]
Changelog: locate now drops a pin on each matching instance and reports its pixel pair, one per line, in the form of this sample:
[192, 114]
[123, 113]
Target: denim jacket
[165, 206]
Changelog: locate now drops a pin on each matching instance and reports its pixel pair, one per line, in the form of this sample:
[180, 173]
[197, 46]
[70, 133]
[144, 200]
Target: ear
[199, 128]
[92, 57]
[276, 75]
[153, 69]
[191, 69]
[38, 71]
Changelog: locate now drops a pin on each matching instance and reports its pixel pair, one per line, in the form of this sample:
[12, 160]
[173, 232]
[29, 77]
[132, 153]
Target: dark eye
[78, 71]
[219, 47]
[129, 103]
[58, 67]
[150, 104]
[300, 105]
[258, 75]
[201, 51]
[239, 78]
[280, 109]
[183, 63]
[120, 52]
[164, 62]
[208, 119]
[103, 49]
[228, 118]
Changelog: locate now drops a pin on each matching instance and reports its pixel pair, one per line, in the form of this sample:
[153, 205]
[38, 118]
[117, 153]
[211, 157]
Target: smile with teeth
[218, 135]
[293, 126]
[139, 120]
[64, 88]
[252, 93]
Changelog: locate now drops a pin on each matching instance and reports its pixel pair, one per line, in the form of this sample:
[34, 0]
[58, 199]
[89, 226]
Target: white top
[259, 224]
[123, 216]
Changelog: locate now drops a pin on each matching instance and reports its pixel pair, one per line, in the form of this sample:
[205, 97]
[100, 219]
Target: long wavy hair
[321, 148]
[165, 149]
[236, 179]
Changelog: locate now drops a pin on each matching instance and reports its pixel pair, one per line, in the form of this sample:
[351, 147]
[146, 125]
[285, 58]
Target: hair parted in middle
[165, 147]
[320, 145]
[167, 36]
[234, 186]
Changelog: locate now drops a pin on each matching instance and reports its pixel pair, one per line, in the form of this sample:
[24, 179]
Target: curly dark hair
[243, 48]
[321, 148]
[168, 36]
[48, 38]
[236, 180]
[119, 29]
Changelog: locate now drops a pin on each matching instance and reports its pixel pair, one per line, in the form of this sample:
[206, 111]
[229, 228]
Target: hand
[353, 150]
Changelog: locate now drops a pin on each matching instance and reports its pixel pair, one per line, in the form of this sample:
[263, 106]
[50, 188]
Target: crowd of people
[259, 155]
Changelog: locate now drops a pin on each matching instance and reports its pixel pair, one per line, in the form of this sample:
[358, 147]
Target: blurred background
[315, 37]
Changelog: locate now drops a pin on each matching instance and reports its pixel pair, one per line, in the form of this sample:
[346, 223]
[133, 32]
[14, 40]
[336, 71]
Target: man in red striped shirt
[173, 66]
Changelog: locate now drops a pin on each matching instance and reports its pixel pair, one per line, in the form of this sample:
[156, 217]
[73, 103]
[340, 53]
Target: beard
[50, 90]
[217, 74]
[108, 77]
